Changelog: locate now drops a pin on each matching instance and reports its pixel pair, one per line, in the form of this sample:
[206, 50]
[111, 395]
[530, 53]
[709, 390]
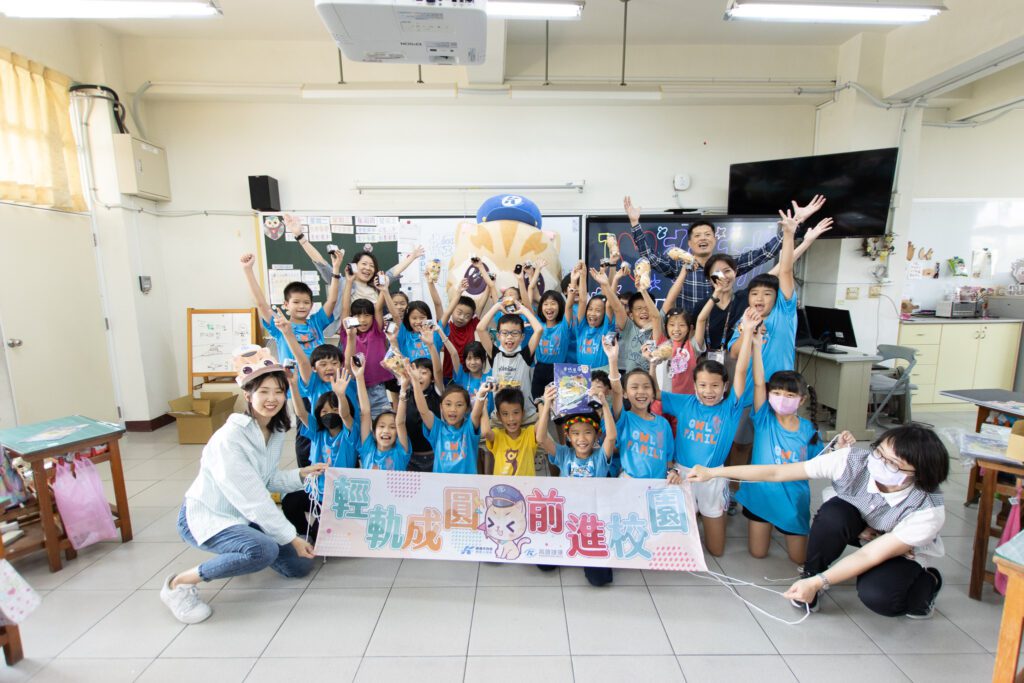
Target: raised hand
[802, 213]
[611, 349]
[788, 222]
[846, 440]
[382, 282]
[418, 252]
[337, 260]
[340, 382]
[599, 277]
[633, 212]
[247, 261]
[751, 319]
[823, 226]
[280, 322]
[540, 264]
[293, 223]
[550, 392]
[463, 286]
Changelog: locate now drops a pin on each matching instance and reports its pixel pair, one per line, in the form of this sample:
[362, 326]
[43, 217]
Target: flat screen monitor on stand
[828, 327]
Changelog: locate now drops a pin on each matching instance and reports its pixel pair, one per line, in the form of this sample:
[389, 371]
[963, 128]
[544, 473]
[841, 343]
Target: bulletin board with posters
[735, 235]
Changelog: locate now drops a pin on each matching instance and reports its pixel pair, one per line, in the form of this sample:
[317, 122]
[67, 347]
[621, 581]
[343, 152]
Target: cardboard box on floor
[1015, 449]
[199, 418]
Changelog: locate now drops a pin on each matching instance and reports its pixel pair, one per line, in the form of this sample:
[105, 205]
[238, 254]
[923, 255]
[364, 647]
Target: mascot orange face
[507, 233]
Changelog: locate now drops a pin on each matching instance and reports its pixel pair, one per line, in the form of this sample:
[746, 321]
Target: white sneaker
[184, 602]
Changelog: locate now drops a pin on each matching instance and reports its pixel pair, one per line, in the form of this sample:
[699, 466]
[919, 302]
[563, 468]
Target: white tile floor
[388, 620]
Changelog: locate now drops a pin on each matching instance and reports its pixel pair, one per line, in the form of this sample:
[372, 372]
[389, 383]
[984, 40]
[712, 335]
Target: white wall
[318, 151]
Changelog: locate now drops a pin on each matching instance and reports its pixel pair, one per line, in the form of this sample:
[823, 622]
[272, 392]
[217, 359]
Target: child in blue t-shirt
[707, 421]
[454, 436]
[555, 340]
[298, 302]
[646, 447]
[411, 331]
[584, 454]
[383, 440]
[597, 317]
[472, 373]
[780, 437]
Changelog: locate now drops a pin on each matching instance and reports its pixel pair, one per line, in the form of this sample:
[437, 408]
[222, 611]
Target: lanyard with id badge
[719, 353]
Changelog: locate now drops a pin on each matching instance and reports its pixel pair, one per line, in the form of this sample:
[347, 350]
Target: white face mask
[882, 475]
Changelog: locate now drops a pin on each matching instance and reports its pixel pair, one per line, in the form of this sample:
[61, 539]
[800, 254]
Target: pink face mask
[784, 405]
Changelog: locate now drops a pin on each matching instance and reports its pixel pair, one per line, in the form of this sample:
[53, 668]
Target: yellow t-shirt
[514, 457]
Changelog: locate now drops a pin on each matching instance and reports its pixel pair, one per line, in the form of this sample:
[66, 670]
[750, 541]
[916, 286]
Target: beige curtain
[38, 160]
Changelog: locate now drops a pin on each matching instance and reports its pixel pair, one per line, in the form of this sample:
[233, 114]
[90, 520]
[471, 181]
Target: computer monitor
[829, 326]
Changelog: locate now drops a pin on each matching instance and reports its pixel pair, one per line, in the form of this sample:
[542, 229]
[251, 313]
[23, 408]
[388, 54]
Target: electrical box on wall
[141, 168]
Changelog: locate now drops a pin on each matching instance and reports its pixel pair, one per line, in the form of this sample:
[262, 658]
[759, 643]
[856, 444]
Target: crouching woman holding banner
[887, 503]
[227, 510]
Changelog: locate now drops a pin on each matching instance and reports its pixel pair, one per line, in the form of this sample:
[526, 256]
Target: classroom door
[51, 316]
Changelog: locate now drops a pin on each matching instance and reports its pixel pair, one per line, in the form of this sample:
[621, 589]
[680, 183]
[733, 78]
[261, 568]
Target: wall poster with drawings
[212, 336]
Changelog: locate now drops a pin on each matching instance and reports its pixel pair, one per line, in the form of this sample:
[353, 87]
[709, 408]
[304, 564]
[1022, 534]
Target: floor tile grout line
[106, 614]
[661, 620]
[565, 620]
[376, 624]
[472, 615]
[290, 610]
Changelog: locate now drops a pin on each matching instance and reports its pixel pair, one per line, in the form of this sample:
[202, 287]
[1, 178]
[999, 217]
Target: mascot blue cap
[509, 207]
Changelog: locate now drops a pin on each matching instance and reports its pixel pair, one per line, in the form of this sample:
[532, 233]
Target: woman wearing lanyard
[720, 313]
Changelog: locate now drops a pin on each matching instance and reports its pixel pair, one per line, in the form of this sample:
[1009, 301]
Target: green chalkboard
[350, 233]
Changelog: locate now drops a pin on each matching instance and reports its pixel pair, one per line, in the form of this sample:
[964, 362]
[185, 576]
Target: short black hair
[423, 364]
[713, 367]
[382, 414]
[325, 352]
[328, 398]
[922, 449]
[362, 307]
[420, 306]
[509, 395]
[566, 281]
[637, 371]
[467, 301]
[719, 258]
[359, 255]
[552, 295]
[293, 288]
[475, 349]
[600, 376]
[631, 301]
[764, 280]
[280, 422]
[456, 389]
[511, 319]
[401, 294]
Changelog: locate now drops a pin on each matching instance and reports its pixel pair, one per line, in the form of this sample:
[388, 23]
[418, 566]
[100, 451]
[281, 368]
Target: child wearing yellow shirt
[513, 448]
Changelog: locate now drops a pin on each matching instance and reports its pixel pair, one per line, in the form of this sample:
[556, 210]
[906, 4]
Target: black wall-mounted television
[857, 185]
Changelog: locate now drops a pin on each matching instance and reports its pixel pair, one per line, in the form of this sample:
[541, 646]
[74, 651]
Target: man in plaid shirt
[701, 240]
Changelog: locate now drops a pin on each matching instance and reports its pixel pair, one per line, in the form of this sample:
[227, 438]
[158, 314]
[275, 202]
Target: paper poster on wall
[312, 279]
[278, 279]
[914, 270]
[341, 229]
[289, 237]
[366, 220]
[320, 232]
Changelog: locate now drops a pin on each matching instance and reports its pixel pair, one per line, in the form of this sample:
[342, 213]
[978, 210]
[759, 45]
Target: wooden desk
[984, 529]
[843, 383]
[1010, 560]
[988, 401]
[37, 442]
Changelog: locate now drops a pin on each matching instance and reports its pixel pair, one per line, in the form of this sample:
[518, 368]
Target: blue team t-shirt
[336, 451]
[779, 342]
[309, 335]
[395, 458]
[704, 434]
[785, 504]
[316, 387]
[411, 344]
[645, 446]
[588, 343]
[569, 465]
[455, 448]
[554, 343]
[468, 381]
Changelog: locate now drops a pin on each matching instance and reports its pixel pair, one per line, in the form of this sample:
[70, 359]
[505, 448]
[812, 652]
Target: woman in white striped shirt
[227, 510]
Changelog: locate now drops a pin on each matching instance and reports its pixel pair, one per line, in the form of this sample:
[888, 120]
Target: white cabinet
[965, 355]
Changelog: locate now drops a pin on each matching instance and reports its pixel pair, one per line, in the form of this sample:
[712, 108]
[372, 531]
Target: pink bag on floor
[1011, 529]
[82, 504]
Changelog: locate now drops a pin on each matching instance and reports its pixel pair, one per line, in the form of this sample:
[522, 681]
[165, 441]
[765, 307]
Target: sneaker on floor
[184, 602]
[732, 509]
[802, 606]
[930, 609]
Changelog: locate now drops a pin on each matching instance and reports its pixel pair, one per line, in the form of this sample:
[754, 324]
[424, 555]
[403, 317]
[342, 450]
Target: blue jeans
[244, 549]
[379, 401]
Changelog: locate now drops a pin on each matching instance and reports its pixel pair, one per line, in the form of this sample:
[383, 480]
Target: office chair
[894, 383]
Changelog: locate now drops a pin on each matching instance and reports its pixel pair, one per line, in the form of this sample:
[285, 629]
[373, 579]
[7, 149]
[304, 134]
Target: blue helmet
[509, 207]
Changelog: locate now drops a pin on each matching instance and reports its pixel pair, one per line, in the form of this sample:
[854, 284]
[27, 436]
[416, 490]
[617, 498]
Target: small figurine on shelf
[879, 248]
[957, 267]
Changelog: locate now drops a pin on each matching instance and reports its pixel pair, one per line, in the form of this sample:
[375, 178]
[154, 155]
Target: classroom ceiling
[651, 22]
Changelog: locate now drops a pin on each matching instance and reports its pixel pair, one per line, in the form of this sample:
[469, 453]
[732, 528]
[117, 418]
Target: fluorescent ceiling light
[381, 91]
[106, 9]
[568, 92]
[535, 9]
[833, 11]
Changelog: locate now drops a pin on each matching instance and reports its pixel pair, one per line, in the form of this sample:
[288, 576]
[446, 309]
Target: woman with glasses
[887, 503]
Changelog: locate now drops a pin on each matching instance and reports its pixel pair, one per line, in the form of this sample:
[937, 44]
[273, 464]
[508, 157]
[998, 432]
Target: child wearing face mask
[780, 437]
[707, 422]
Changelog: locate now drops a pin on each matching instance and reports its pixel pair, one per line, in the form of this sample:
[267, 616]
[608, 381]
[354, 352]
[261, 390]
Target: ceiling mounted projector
[408, 31]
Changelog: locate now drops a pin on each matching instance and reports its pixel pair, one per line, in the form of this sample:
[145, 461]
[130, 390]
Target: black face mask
[331, 421]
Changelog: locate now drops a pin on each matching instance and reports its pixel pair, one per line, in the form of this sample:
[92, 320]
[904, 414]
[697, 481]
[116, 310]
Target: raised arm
[435, 299]
[613, 303]
[674, 291]
[401, 412]
[612, 351]
[339, 385]
[407, 261]
[346, 293]
[350, 344]
[751, 321]
[390, 303]
[248, 261]
[483, 328]
[657, 322]
[417, 393]
[610, 431]
[581, 314]
[700, 326]
[450, 349]
[823, 226]
[301, 414]
[430, 328]
[378, 311]
[760, 388]
[478, 415]
[786, 282]
[533, 292]
[666, 267]
[538, 329]
[541, 433]
[337, 261]
[444, 316]
[294, 225]
[301, 359]
[365, 417]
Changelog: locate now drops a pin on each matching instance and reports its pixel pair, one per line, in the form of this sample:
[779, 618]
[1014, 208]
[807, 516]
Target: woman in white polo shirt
[887, 503]
[228, 510]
